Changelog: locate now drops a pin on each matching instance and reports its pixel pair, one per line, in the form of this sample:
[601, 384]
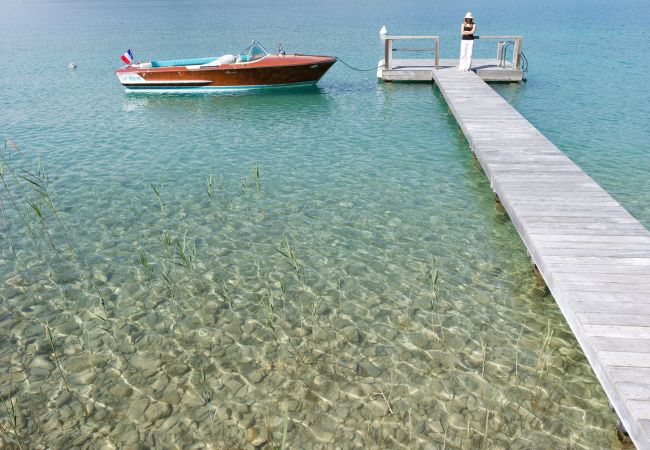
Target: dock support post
[388, 53]
[622, 434]
[437, 62]
[500, 58]
[516, 53]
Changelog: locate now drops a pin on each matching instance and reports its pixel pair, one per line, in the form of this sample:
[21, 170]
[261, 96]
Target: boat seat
[182, 62]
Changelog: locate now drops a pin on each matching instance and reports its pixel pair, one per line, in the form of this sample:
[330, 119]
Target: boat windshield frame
[253, 52]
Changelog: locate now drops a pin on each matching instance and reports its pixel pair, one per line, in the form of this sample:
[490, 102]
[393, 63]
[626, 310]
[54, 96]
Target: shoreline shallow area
[210, 343]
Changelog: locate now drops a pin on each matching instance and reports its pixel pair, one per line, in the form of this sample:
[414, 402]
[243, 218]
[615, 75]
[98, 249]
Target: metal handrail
[524, 63]
[388, 48]
[503, 51]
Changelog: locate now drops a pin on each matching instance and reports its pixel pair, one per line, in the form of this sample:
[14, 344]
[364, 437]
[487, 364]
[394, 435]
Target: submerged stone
[367, 369]
[158, 410]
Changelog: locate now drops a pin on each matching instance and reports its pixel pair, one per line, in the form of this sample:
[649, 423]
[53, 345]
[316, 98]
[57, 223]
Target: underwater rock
[257, 436]
[41, 362]
[176, 370]
[158, 410]
[322, 434]
[77, 364]
[352, 334]
[367, 369]
[376, 408]
[120, 390]
[256, 376]
[137, 408]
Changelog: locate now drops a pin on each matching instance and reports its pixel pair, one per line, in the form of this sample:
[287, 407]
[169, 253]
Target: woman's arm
[467, 32]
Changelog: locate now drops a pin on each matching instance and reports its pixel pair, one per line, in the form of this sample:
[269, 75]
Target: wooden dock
[421, 69]
[593, 255]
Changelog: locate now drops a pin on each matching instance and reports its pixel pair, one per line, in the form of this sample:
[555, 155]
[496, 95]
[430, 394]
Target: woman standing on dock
[467, 30]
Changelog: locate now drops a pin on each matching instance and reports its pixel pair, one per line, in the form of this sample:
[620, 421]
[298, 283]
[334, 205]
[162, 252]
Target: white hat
[468, 15]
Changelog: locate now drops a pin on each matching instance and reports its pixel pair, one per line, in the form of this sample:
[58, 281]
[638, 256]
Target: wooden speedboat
[254, 68]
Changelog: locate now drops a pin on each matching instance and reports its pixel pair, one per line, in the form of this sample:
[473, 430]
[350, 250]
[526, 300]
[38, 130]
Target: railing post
[388, 53]
[437, 52]
[500, 54]
[516, 53]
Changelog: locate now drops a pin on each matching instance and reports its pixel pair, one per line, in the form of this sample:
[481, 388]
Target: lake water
[192, 304]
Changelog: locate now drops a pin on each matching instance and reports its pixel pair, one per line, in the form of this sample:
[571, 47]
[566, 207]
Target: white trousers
[466, 47]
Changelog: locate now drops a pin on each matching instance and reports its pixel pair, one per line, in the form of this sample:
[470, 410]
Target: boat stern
[127, 76]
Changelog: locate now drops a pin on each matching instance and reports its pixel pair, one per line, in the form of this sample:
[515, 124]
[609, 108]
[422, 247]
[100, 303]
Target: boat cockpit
[254, 52]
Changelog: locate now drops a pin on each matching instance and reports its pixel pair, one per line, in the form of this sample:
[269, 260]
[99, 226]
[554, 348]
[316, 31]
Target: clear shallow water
[366, 182]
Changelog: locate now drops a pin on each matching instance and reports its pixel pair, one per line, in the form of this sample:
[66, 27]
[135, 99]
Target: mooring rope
[355, 68]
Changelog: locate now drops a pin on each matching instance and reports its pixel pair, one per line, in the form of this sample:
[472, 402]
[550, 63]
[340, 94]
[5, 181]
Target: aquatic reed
[256, 175]
[55, 355]
[209, 185]
[433, 276]
[156, 191]
[285, 425]
[13, 418]
[148, 270]
[288, 253]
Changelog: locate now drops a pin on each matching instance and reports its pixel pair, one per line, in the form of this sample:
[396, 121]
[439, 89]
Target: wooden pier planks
[593, 255]
[420, 69]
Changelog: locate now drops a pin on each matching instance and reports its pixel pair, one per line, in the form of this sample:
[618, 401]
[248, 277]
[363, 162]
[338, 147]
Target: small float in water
[254, 68]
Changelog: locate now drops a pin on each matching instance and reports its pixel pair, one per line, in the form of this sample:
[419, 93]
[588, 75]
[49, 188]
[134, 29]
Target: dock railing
[504, 42]
[389, 48]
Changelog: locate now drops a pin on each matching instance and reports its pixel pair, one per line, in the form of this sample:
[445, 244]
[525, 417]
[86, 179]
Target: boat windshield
[255, 51]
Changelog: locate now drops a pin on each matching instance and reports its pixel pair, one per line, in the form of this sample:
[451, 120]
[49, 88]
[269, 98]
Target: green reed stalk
[446, 428]
[517, 353]
[13, 416]
[485, 435]
[209, 185]
[169, 283]
[270, 305]
[285, 427]
[542, 357]
[226, 295]
[434, 275]
[38, 211]
[5, 221]
[256, 175]
[144, 262]
[39, 183]
[288, 253]
[56, 358]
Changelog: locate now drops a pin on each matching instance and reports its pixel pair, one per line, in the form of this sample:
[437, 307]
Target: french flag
[127, 57]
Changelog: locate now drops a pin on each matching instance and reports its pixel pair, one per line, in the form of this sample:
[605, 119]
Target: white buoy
[72, 66]
[382, 33]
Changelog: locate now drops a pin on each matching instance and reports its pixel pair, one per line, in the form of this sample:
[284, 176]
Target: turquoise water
[212, 335]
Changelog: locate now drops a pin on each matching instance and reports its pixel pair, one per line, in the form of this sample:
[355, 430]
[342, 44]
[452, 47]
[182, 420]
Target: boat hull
[269, 72]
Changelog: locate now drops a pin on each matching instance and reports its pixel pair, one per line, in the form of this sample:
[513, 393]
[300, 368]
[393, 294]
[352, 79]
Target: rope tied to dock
[357, 69]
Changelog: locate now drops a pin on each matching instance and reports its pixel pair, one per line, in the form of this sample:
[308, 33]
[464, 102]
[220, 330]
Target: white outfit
[466, 48]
